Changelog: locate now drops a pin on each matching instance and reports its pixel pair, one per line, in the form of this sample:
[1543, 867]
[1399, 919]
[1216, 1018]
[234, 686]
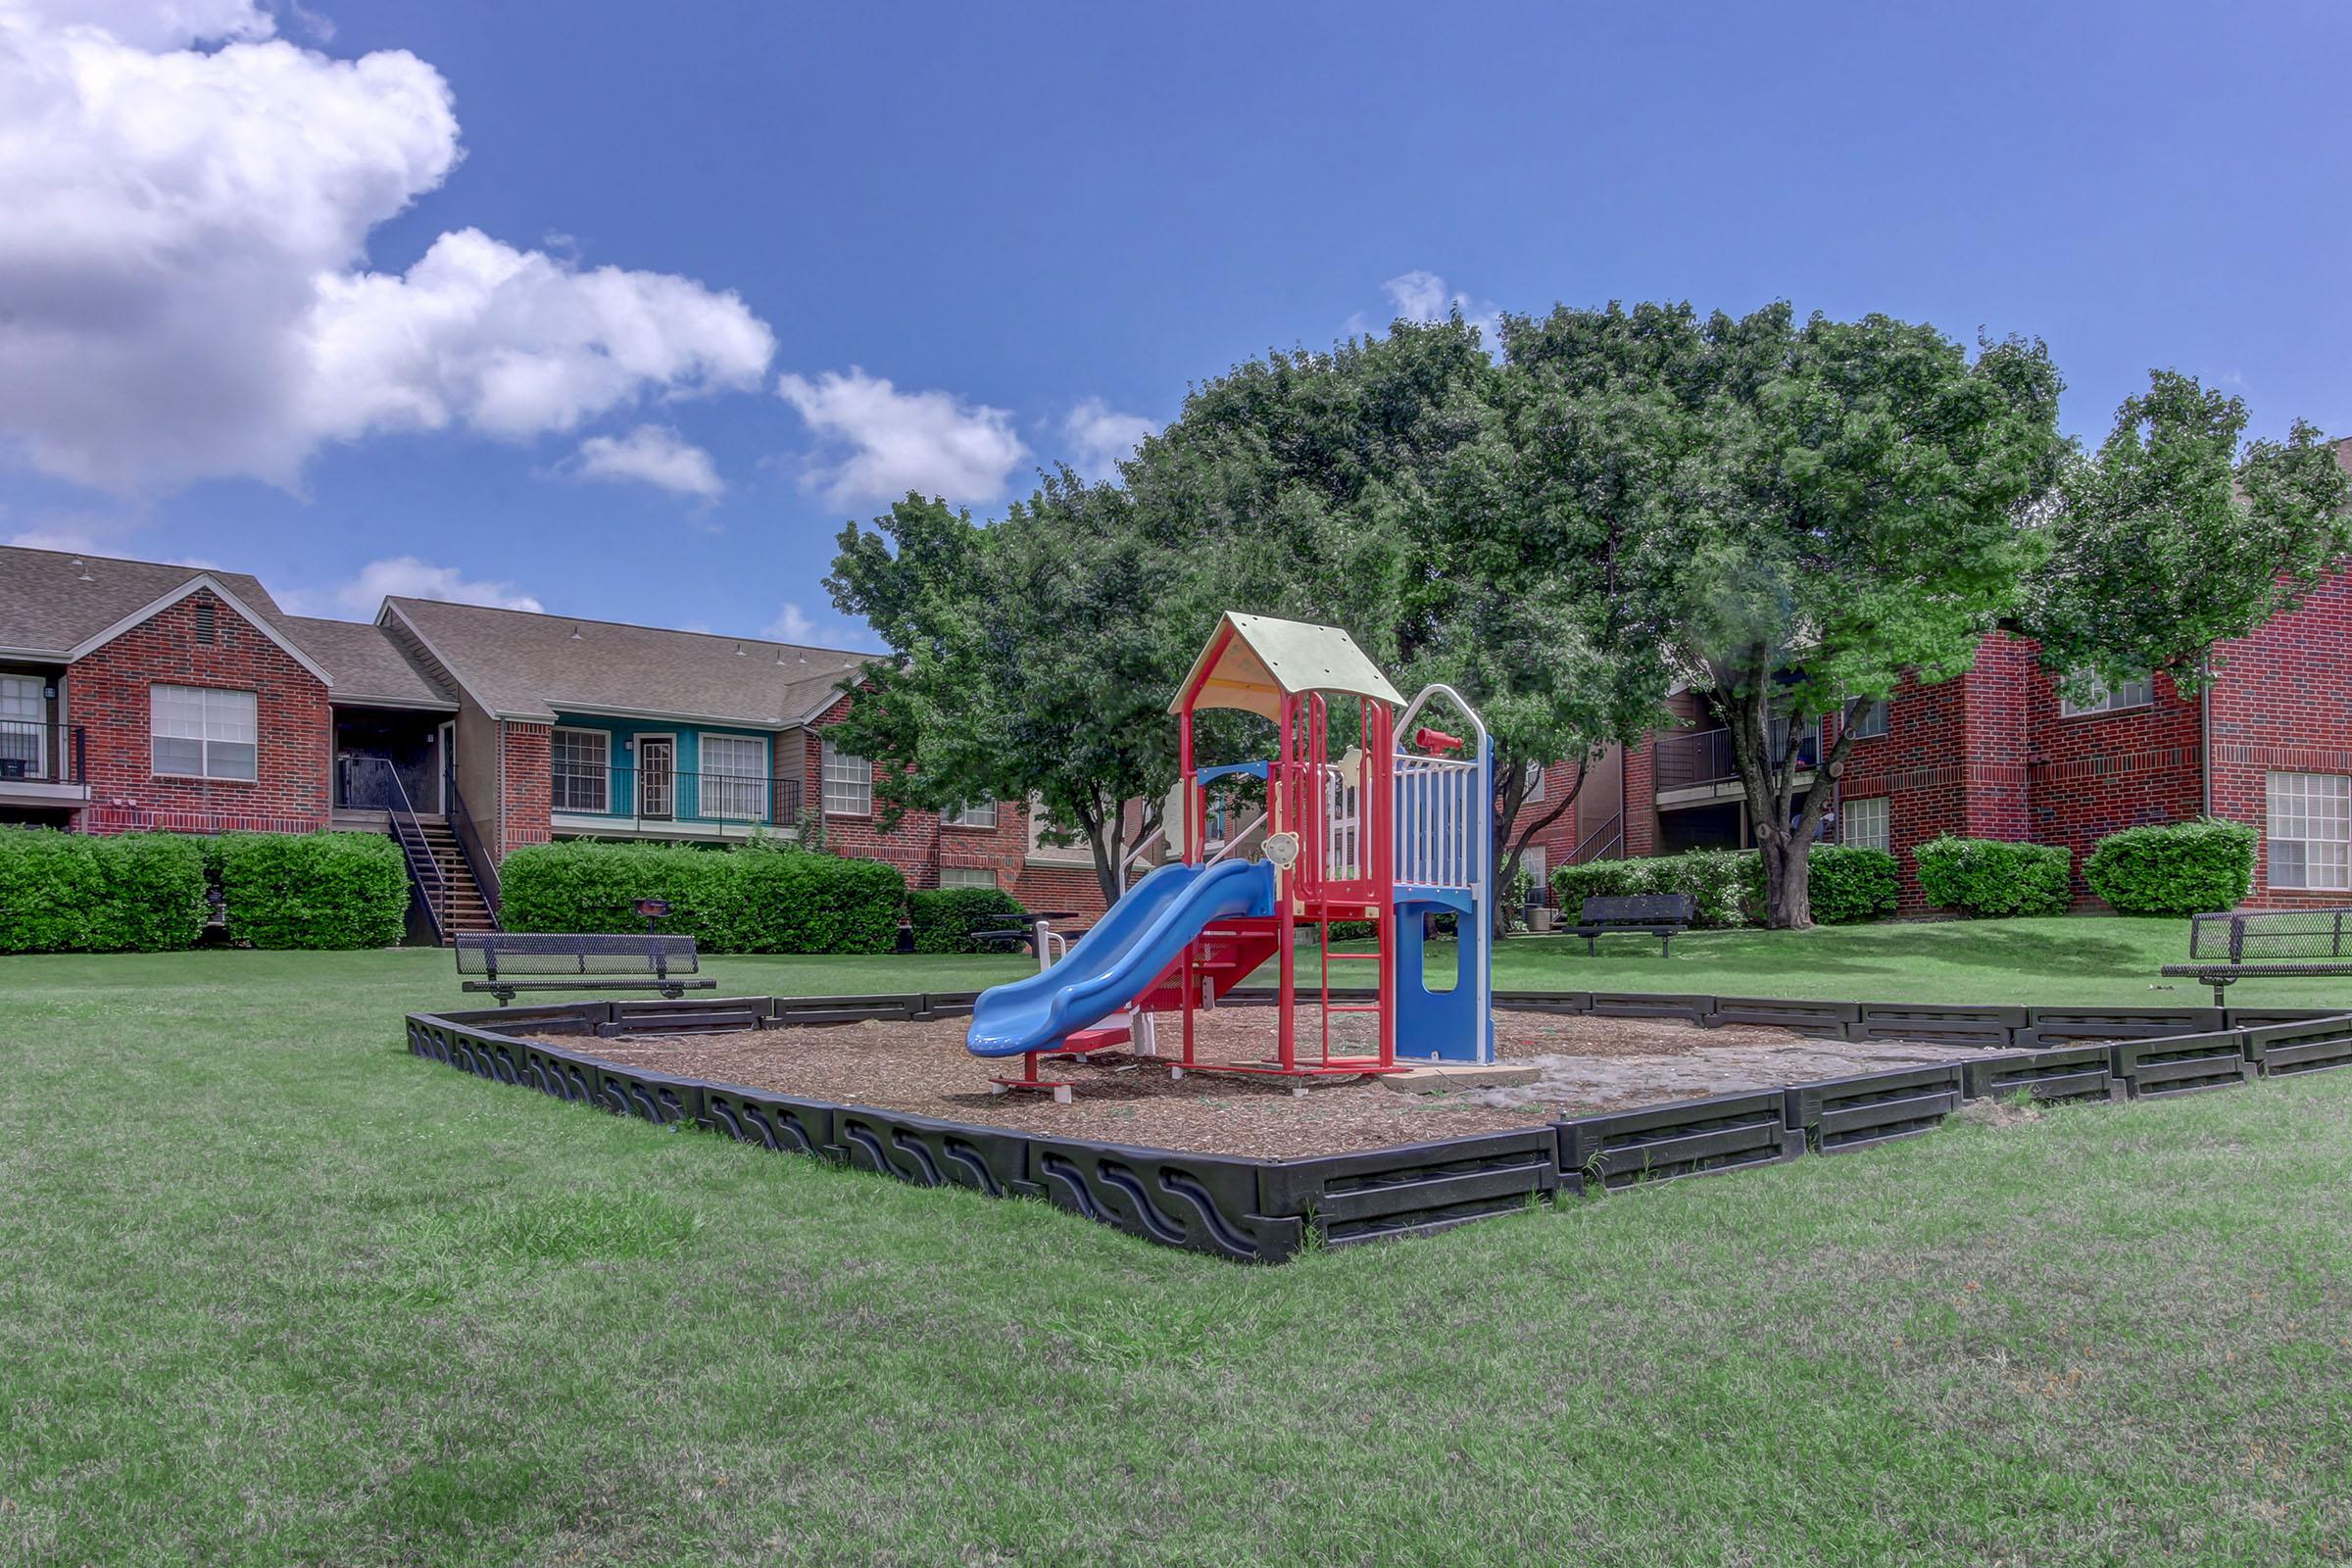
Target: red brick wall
[107, 693]
[2282, 703]
[2098, 773]
[1915, 765]
[526, 785]
[921, 846]
[1640, 803]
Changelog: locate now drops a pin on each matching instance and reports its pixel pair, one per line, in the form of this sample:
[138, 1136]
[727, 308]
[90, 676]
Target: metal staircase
[441, 871]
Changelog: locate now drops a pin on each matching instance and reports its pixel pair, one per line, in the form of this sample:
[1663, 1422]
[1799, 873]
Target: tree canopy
[1790, 518]
[1809, 511]
[2177, 534]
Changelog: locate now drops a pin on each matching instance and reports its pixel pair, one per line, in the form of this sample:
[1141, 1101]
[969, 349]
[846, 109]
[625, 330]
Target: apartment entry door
[657, 776]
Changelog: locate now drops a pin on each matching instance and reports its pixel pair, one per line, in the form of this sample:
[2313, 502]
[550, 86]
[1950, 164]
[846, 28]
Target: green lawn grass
[2052, 961]
[273, 1290]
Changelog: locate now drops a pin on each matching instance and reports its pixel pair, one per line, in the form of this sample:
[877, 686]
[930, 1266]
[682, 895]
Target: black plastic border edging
[1264, 1210]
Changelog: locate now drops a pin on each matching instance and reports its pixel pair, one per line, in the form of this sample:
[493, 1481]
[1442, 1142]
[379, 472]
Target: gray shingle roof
[51, 600]
[364, 663]
[524, 665]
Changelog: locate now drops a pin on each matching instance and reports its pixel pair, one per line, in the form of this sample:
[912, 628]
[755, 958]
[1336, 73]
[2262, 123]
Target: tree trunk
[1515, 846]
[1787, 883]
[1741, 697]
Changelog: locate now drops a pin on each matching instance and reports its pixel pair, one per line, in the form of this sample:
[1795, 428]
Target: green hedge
[1994, 878]
[1848, 884]
[312, 890]
[77, 893]
[757, 899]
[945, 918]
[2183, 869]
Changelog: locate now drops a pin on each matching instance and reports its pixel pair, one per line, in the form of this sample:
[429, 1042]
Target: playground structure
[1386, 833]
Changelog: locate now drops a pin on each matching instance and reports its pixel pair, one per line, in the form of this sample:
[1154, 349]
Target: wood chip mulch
[924, 1068]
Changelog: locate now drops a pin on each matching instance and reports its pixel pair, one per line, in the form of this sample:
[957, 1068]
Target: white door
[657, 776]
[24, 738]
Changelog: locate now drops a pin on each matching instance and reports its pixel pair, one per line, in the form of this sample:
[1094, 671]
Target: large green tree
[2177, 534]
[1385, 487]
[1807, 510]
[1030, 657]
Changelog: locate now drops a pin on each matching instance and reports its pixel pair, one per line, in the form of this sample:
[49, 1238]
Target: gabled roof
[1265, 659]
[523, 665]
[54, 602]
[366, 665]
[55, 605]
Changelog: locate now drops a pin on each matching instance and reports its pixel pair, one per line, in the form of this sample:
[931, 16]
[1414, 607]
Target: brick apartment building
[1998, 753]
[142, 695]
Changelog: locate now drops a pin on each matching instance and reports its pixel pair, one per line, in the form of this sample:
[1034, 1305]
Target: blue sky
[1037, 224]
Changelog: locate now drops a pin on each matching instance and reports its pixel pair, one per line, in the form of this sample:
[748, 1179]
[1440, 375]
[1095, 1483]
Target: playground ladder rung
[1359, 958]
[1351, 1007]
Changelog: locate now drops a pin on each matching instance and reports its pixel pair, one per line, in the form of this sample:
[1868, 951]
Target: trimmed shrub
[312, 890]
[2180, 868]
[77, 893]
[1848, 884]
[1571, 885]
[1726, 883]
[1994, 879]
[757, 899]
[584, 886]
[945, 918]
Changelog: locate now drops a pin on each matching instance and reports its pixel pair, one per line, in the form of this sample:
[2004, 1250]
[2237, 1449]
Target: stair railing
[476, 852]
[1612, 832]
[424, 871]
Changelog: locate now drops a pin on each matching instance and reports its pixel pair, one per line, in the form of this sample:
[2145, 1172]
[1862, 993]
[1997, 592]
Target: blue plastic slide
[1117, 961]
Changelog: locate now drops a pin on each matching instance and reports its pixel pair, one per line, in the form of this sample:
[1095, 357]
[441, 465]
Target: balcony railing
[35, 753]
[1705, 756]
[648, 801]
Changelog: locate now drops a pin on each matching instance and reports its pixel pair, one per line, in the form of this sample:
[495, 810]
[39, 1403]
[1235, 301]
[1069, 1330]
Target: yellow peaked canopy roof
[1266, 659]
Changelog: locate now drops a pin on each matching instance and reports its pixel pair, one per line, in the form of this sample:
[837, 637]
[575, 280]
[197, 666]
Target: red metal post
[1184, 770]
[1286, 936]
[1380, 746]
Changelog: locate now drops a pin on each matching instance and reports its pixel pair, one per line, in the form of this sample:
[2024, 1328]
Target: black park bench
[2277, 942]
[1653, 914]
[510, 962]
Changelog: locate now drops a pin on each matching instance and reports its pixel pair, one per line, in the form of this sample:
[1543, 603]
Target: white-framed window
[202, 732]
[24, 736]
[982, 816]
[1871, 722]
[1535, 785]
[1040, 824]
[583, 770]
[1869, 824]
[1536, 862]
[966, 876]
[2310, 830]
[734, 782]
[2137, 692]
[849, 783]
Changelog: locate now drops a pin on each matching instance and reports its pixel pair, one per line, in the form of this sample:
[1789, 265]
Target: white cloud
[655, 455]
[155, 24]
[184, 263]
[1422, 296]
[885, 442]
[1418, 296]
[408, 577]
[1101, 437]
[68, 539]
[792, 625]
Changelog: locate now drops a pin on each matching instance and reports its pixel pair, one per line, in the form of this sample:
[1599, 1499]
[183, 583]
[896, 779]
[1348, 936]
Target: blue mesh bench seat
[510, 961]
[2230, 946]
